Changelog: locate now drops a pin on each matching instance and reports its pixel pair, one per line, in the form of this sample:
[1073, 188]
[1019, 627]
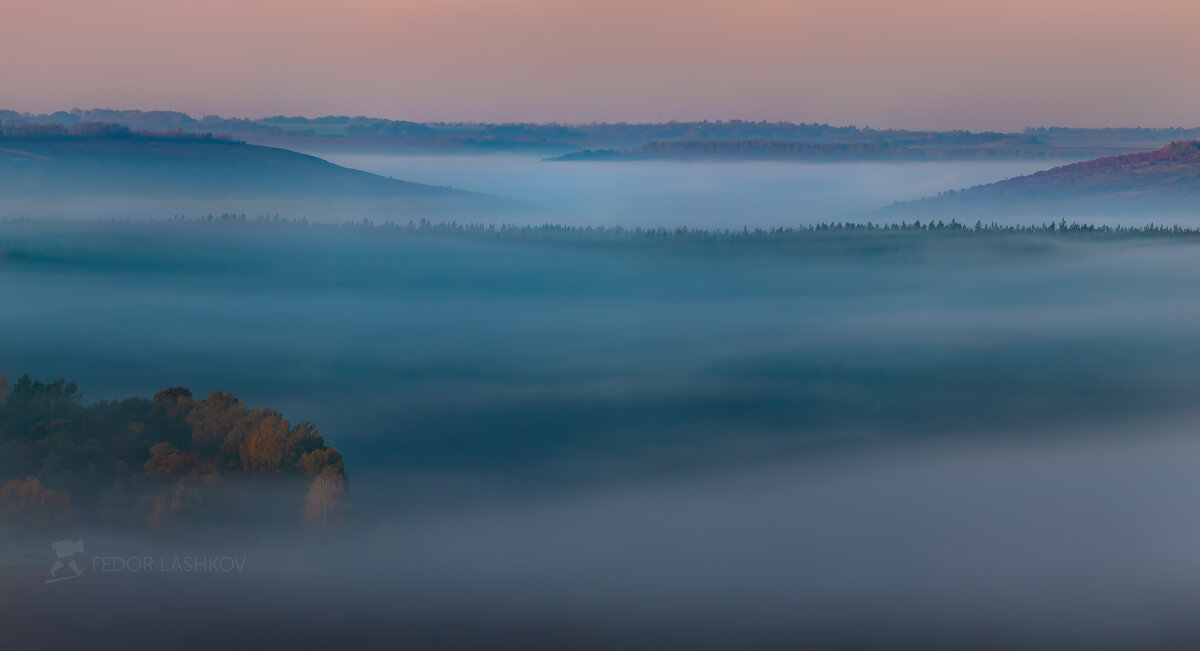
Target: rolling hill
[1165, 181]
[183, 173]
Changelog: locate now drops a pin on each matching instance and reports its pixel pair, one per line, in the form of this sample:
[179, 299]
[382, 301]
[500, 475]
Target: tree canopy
[157, 462]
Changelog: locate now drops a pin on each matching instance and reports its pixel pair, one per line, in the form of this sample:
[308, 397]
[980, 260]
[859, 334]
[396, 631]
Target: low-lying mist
[693, 194]
[646, 440]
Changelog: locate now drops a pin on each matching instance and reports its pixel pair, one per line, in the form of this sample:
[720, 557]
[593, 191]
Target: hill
[1164, 181]
[183, 172]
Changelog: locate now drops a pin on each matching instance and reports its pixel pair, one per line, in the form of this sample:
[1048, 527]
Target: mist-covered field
[612, 438]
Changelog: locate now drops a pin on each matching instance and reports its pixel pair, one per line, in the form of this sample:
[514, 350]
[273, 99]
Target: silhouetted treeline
[18, 129]
[1061, 227]
[831, 238]
[1111, 133]
[134, 119]
[622, 136]
[169, 460]
[425, 226]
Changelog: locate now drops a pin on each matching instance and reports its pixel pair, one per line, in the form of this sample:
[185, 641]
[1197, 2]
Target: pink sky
[979, 64]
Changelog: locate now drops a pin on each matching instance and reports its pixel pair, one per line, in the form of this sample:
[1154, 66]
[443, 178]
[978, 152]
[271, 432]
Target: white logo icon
[65, 550]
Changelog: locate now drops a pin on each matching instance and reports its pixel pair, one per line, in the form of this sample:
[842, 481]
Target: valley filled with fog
[590, 325]
[604, 403]
[602, 437]
[692, 194]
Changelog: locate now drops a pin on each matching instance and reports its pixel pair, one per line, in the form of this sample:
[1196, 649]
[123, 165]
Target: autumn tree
[167, 461]
[29, 503]
[174, 459]
[172, 504]
[268, 444]
[313, 463]
[169, 411]
[213, 419]
[326, 498]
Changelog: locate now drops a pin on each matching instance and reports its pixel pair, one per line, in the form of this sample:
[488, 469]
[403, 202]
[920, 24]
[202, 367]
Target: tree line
[18, 129]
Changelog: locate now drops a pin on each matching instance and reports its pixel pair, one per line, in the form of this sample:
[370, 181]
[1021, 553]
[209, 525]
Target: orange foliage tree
[29, 503]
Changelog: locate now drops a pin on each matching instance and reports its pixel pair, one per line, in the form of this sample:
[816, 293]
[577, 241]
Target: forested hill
[1167, 179]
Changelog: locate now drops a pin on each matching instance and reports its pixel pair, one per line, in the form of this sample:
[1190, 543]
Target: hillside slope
[1165, 181]
[183, 167]
[174, 174]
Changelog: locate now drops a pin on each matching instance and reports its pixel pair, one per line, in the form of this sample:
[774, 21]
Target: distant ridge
[625, 140]
[974, 147]
[1165, 179]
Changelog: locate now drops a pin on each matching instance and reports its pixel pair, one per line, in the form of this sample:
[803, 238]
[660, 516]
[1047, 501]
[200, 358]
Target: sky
[974, 64]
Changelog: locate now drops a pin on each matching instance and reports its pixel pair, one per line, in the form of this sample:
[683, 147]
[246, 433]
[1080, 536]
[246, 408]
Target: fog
[124, 181]
[693, 194]
[645, 442]
[1054, 544]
